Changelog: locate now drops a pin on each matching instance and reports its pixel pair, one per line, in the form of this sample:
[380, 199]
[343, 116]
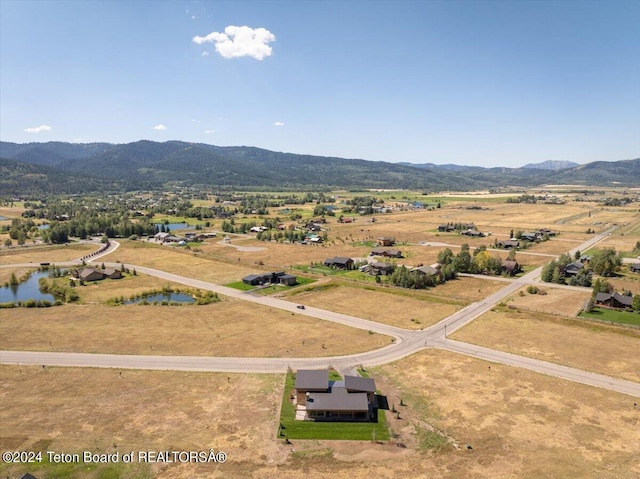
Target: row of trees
[405, 278]
[481, 262]
[603, 262]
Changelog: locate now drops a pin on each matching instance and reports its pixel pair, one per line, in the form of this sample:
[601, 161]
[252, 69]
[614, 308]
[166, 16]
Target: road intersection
[403, 343]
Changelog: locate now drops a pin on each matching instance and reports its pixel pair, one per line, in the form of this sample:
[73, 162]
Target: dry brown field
[518, 423]
[44, 253]
[277, 255]
[103, 410]
[399, 309]
[5, 273]
[227, 328]
[557, 301]
[11, 212]
[626, 282]
[178, 261]
[573, 342]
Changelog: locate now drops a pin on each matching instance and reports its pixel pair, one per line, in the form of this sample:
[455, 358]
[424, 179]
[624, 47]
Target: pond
[3, 218]
[44, 226]
[174, 226]
[160, 297]
[29, 289]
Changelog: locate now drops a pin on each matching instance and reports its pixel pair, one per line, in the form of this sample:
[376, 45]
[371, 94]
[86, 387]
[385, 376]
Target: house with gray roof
[339, 262]
[388, 252]
[319, 399]
[614, 300]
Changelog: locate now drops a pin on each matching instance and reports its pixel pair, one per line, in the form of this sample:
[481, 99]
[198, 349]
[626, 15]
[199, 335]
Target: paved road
[404, 343]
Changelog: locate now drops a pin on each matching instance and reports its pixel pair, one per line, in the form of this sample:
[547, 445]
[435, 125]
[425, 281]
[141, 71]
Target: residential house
[574, 268]
[264, 278]
[508, 244]
[386, 241]
[528, 236]
[614, 300]
[511, 268]
[634, 268]
[91, 274]
[288, 279]
[433, 270]
[112, 273]
[339, 262]
[473, 233]
[377, 268]
[319, 399]
[253, 279]
[387, 252]
[446, 228]
[161, 236]
[547, 231]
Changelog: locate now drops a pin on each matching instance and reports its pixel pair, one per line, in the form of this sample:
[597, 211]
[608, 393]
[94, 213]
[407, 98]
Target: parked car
[300, 306]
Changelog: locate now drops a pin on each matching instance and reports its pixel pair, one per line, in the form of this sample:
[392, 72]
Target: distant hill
[447, 166]
[149, 165]
[551, 165]
[20, 178]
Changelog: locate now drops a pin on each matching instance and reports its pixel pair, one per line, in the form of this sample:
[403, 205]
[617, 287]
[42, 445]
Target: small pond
[160, 297]
[44, 227]
[175, 226]
[29, 289]
[3, 218]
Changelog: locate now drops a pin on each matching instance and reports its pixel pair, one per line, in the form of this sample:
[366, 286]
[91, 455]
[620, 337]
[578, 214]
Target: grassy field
[603, 314]
[354, 431]
[227, 328]
[572, 342]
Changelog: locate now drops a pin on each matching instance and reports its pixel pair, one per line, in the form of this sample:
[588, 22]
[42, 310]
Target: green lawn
[356, 431]
[240, 285]
[603, 314]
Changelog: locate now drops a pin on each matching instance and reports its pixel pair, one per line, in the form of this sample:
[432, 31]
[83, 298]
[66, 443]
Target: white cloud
[278, 123]
[38, 129]
[238, 42]
[204, 54]
[160, 127]
[208, 132]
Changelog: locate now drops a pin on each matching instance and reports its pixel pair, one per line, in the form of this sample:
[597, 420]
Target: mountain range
[73, 167]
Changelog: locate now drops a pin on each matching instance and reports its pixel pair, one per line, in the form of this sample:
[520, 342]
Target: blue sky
[478, 83]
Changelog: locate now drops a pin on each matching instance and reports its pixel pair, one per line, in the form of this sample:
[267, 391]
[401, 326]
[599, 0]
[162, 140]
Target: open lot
[177, 260]
[44, 253]
[390, 306]
[573, 342]
[518, 423]
[227, 328]
[73, 410]
[556, 301]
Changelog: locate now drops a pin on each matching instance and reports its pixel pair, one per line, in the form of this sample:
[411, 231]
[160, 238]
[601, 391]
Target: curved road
[404, 342]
